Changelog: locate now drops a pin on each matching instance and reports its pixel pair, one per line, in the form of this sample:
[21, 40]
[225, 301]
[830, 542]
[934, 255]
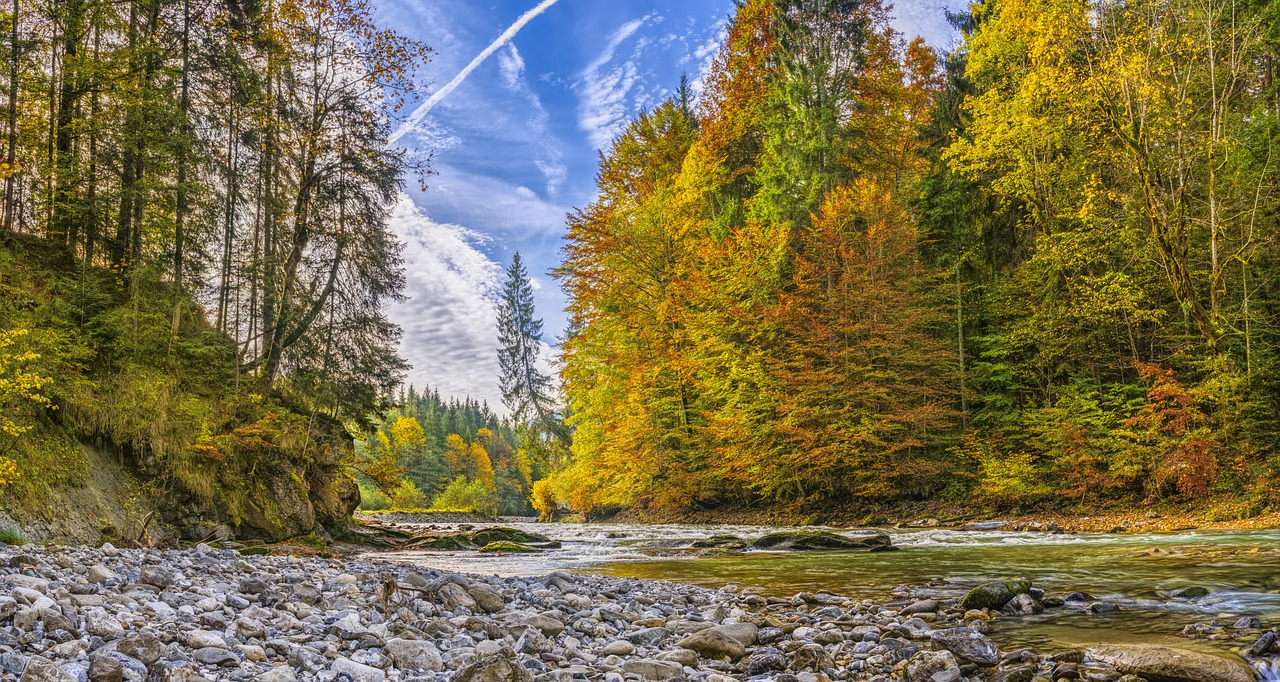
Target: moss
[511, 547]
[488, 536]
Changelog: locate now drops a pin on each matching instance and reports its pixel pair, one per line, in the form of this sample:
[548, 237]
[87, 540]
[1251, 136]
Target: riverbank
[1160, 517]
[107, 615]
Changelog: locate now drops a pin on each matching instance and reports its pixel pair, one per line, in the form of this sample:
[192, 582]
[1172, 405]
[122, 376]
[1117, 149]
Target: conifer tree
[526, 390]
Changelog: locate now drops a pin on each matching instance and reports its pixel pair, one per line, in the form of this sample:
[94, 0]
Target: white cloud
[449, 320]
[497, 205]
[603, 108]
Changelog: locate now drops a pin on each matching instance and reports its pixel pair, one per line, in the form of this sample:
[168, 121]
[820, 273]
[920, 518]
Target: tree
[526, 390]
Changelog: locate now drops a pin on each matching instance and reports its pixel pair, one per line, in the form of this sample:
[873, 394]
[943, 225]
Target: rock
[409, 654]
[712, 643]
[202, 639]
[1247, 623]
[215, 657]
[488, 536]
[41, 669]
[967, 644]
[488, 599]
[1169, 664]
[745, 633]
[684, 657]
[648, 636]
[811, 657]
[144, 646]
[109, 550]
[493, 668]
[357, 671]
[156, 577]
[103, 668]
[1022, 673]
[650, 669]
[548, 626]
[102, 624]
[1193, 592]
[922, 606]
[454, 596]
[279, 674]
[1264, 645]
[721, 542]
[821, 540]
[618, 647]
[985, 525]
[504, 547]
[994, 596]
[99, 574]
[1022, 605]
[933, 666]
[767, 662]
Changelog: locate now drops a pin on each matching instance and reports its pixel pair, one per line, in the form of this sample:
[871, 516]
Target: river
[1135, 572]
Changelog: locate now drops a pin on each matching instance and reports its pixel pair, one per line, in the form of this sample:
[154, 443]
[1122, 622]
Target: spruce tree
[526, 391]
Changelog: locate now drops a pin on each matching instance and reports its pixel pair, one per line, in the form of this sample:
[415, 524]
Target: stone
[412, 654]
[508, 548]
[41, 669]
[156, 577]
[1247, 623]
[618, 647]
[488, 536]
[994, 596]
[650, 669]
[144, 646]
[104, 668]
[1193, 592]
[1022, 605]
[488, 599]
[99, 574]
[684, 657]
[933, 666]
[967, 644]
[763, 663]
[102, 624]
[358, 671]
[216, 657]
[201, 639]
[648, 636]
[811, 657]
[454, 596]
[745, 633]
[109, 550]
[547, 625]
[493, 668]
[1168, 663]
[1264, 645]
[712, 643]
[821, 540]
[922, 606]
[278, 674]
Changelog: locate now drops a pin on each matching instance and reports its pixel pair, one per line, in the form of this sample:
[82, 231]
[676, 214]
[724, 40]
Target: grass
[10, 537]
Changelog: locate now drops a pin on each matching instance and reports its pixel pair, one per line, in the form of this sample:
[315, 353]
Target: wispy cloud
[449, 319]
[603, 108]
[435, 98]
[550, 161]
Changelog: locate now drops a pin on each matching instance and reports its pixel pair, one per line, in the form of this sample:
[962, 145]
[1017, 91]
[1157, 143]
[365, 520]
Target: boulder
[967, 644]
[41, 669]
[493, 668]
[487, 536]
[1169, 664]
[652, 670]
[713, 643]
[545, 624]
[358, 671]
[486, 598]
[1192, 592]
[811, 657]
[454, 596]
[104, 668]
[933, 666]
[504, 547]
[619, 647]
[412, 654]
[648, 636]
[813, 540]
[994, 595]
[745, 633]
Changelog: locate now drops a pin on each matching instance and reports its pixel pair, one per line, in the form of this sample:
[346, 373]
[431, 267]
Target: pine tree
[526, 390]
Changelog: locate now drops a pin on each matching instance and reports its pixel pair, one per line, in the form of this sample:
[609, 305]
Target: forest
[1039, 271]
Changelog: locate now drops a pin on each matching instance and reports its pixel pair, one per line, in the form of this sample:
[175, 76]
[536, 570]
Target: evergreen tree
[526, 390]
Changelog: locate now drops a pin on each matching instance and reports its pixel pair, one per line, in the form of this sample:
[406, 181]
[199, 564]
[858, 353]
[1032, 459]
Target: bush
[466, 496]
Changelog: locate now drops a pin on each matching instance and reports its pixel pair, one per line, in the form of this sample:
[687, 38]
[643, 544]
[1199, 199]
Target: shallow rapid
[1135, 572]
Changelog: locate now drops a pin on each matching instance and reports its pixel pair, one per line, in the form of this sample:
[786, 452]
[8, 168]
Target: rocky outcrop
[1168, 664]
[822, 540]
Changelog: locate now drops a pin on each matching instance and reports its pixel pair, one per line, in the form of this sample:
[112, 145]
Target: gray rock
[41, 669]
[156, 577]
[1193, 592]
[1022, 605]
[922, 606]
[488, 599]
[712, 643]
[650, 669]
[1167, 663]
[455, 596]
[104, 668]
[618, 647]
[763, 663]
[648, 636]
[493, 668]
[99, 574]
[144, 646]
[358, 671]
[745, 633]
[410, 654]
[215, 656]
[968, 645]
[811, 657]
[933, 666]
[548, 626]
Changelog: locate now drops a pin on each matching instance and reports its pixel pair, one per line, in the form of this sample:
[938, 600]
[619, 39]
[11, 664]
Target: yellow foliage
[18, 385]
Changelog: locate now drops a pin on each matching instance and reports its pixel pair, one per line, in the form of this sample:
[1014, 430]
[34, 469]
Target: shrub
[463, 495]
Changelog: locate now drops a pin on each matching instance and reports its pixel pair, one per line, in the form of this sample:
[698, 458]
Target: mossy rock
[453, 542]
[821, 540]
[721, 542]
[255, 550]
[994, 596]
[488, 536]
[512, 547]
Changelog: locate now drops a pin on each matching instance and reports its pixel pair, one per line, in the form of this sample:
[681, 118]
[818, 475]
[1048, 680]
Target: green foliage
[10, 537]
[462, 495]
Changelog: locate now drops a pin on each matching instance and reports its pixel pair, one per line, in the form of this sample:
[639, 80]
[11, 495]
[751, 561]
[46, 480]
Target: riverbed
[1136, 573]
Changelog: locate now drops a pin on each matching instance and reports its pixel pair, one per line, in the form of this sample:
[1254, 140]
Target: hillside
[150, 434]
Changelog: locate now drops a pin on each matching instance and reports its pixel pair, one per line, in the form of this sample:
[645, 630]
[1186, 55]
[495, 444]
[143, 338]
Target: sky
[521, 96]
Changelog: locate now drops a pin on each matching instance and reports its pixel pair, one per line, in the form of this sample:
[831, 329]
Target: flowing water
[1134, 572]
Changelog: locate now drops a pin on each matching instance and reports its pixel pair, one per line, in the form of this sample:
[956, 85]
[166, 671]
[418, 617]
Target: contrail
[424, 108]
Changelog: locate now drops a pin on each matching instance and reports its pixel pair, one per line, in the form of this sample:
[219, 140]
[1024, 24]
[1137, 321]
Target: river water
[1135, 572]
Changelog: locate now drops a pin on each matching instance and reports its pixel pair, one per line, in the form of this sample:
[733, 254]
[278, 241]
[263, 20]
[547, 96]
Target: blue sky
[516, 145]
